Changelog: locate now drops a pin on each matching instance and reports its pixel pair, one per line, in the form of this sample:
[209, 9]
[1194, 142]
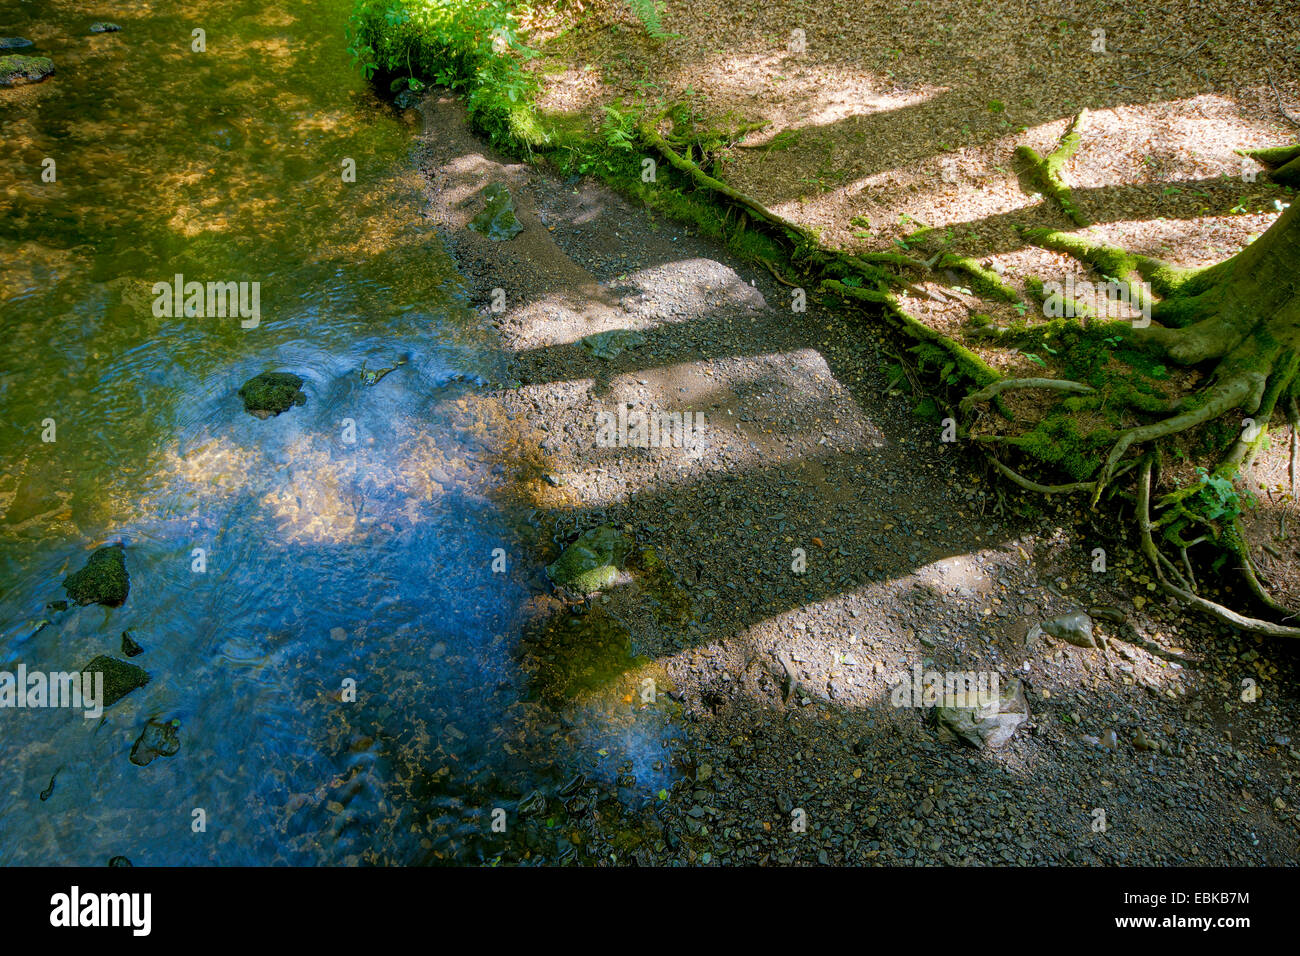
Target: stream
[273, 562]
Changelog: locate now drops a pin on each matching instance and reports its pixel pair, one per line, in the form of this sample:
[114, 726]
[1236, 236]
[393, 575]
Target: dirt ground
[884, 118]
[780, 683]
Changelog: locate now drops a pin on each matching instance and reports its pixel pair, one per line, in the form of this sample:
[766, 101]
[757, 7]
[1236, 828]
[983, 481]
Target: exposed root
[1216, 610]
[983, 281]
[1024, 482]
[1251, 575]
[1047, 169]
[648, 131]
[989, 391]
[776, 275]
[1221, 399]
[1283, 163]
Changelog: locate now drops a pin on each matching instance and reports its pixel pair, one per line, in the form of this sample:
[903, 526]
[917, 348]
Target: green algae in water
[103, 580]
[120, 677]
[592, 562]
[579, 655]
[17, 69]
[670, 604]
[608, 345]
[498, 220]
[271, 393]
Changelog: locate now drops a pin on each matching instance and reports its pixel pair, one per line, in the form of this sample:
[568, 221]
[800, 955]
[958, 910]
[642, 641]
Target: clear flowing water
[323, 559]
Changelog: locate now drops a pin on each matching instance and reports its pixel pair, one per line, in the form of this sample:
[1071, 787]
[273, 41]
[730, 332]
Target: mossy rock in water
[103, 26]
[271, 393]
[120, 677]
[498, 220]
[607, 345]
[103, 580]
[592, 562]
[15, 43]
[16, 69]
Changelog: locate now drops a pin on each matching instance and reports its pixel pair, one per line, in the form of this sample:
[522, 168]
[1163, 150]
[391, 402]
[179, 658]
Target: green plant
[619, 129]
[649, 13]
[469, 45]
[1220, 497]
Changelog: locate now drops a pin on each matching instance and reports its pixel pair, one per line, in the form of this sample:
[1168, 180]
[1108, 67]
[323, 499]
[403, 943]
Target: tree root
[1283, 163]
[1034, 486]
[1251, 574]
[1047, 169]
[1187, 596]
[1221, 399]
[1002, 385]
[984, 281]
[651, 135]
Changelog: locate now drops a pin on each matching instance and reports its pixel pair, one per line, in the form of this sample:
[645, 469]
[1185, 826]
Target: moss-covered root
[984, 282]
[970, 365]
[1047, 169]
[648, 128]
[1282, 161]
[1241, 390]
[1165, 279]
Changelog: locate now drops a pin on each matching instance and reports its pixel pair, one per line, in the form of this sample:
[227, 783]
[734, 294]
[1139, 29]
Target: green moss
[1059, 441]
[497, 220]
[271, 393]
[103, 580]
[17, 70]
[120, 677]
[983, 281]
[592, 562]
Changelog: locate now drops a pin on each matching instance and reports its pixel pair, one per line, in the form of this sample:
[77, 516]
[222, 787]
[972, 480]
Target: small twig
[1280, 108]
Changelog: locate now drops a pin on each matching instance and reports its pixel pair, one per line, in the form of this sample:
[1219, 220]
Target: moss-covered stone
[16, 69]
[271, 393]
[120, 677]
[497, 220]
[592, 562]
[103, 26]
[103, 580]
[129, 647]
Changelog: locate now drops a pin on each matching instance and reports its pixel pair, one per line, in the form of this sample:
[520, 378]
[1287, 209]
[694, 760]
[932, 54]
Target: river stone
[14, 43]
[129, 647]
[104, 26]
[607, 345]
[407, 99]
[497, 221]
[534, 803]
[16, 70]
[992, 725]
[160, 739]
[103, 580]
[592, 562]
[1073, 628]
[271, 393]
[120, 677]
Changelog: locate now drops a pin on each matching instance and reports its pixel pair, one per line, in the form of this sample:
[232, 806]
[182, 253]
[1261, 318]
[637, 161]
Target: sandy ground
[781, 682]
